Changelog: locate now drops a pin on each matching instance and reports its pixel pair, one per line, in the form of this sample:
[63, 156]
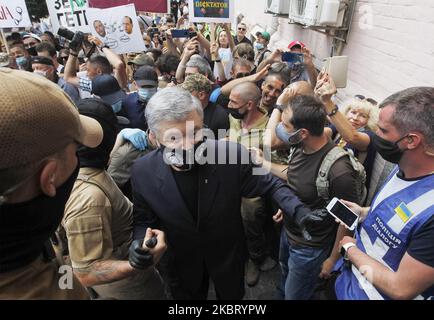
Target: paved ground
[263, 290]
[267, 285]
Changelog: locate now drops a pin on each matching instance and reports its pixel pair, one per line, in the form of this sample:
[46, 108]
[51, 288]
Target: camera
[76, 39]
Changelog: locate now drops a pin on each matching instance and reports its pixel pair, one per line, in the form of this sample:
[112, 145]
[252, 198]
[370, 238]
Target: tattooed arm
[104, 271]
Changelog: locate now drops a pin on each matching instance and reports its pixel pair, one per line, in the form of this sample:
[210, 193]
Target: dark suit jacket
[217, 239]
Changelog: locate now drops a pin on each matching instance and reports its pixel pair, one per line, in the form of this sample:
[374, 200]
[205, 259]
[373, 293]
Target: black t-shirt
[245, 40]
[215, 117]
[302, 173]
[421, 246]
[187, 182]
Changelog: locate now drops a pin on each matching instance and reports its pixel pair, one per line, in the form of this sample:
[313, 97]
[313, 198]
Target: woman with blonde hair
[354, 126]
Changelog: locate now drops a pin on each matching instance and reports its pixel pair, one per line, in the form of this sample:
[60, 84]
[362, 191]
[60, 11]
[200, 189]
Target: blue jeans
[300, 269]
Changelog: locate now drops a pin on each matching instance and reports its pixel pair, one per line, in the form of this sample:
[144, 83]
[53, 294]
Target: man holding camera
[97, 65]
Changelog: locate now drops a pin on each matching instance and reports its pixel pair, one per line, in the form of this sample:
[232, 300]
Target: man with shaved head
[247, 126]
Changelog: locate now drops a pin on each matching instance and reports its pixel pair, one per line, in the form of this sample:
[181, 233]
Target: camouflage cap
[197, 82]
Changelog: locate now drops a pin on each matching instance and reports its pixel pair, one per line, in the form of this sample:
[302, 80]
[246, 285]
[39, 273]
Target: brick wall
[390, 50]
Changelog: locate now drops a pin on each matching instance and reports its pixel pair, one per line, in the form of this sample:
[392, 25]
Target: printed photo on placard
[117, 27]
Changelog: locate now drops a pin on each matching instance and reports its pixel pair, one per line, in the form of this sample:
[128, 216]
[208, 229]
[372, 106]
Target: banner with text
[14, 14]
[218, 11]
[69, 14]
[117, 27]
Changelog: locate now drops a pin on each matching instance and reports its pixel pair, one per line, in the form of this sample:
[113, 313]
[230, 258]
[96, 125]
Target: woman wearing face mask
[354, 127]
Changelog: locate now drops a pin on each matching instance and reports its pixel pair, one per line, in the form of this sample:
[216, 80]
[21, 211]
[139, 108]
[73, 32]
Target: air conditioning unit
[277, 6]
[317, 12]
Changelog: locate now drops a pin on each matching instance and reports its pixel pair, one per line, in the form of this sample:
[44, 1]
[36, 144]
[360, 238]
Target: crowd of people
[153, 173]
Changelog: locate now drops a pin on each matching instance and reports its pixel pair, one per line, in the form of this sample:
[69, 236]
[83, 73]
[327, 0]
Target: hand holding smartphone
[292, 57]
[342, 213]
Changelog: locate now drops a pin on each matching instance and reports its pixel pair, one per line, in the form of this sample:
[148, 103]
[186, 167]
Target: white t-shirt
[225, 55]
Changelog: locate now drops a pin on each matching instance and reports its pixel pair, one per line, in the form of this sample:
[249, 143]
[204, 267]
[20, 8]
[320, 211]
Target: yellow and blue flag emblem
[403, 212]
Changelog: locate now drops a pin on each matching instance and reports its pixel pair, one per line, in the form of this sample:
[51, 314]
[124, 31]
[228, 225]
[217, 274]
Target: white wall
[389, 50]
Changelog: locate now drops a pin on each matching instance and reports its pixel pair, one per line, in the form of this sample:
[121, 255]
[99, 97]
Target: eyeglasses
[242, 75]
[242, 29]
[362, 97]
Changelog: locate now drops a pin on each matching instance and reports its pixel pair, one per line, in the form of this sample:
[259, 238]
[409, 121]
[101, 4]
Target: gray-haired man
[192, 189]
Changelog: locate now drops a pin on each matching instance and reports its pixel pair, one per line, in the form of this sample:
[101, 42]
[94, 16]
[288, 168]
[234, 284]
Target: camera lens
[63, 32]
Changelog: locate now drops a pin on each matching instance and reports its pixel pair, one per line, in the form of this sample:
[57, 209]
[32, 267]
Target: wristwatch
[344, 249]
[279, 107]
[333, 112]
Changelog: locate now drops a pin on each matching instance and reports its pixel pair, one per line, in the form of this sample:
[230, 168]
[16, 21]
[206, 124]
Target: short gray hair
[202, 66]
[414, 110]
[170, 104]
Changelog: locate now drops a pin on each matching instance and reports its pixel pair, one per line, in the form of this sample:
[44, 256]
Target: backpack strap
[322, 180]
[262, 56]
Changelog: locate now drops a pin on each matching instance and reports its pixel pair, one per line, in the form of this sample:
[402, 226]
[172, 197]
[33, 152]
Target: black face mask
[387, 149]
[236, 113]
[32, 51]
[26, 227]
[182, 159]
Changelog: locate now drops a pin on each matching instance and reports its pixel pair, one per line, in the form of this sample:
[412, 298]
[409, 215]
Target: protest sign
[69, 14]
[156, 6]
[218, 11]
[117, 27]
[14, 14]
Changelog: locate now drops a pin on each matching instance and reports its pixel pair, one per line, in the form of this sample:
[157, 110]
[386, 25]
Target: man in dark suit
[192, 190]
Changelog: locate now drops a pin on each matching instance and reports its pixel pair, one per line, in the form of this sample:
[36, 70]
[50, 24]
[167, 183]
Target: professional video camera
[77, 39]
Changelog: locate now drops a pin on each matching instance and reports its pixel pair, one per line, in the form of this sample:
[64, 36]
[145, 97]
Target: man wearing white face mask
[44, 67]
[146, 81]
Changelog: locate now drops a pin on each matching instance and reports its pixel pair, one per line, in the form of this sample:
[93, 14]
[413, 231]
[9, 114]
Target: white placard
[14, 14]
[117, 27]
[69, 14]
[218, 11]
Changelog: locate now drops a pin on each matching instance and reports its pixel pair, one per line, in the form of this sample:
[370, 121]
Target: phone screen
[179, 33]
[292, 57]
[343, 213]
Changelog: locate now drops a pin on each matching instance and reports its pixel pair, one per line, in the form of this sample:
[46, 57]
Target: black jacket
[215, 117]
[217, 239]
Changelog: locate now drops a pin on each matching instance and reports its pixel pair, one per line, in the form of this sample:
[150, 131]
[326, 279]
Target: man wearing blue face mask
[107, 88]
[146, 81]
[261, 47]
[302, 129]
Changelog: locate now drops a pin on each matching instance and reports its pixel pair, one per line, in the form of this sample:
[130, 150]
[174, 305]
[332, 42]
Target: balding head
[302, 88]
[248, 91]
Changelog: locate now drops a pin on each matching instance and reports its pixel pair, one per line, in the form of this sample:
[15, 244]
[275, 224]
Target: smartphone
[180, 33]
[344, 214]
[292, 57]
[337, 68]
